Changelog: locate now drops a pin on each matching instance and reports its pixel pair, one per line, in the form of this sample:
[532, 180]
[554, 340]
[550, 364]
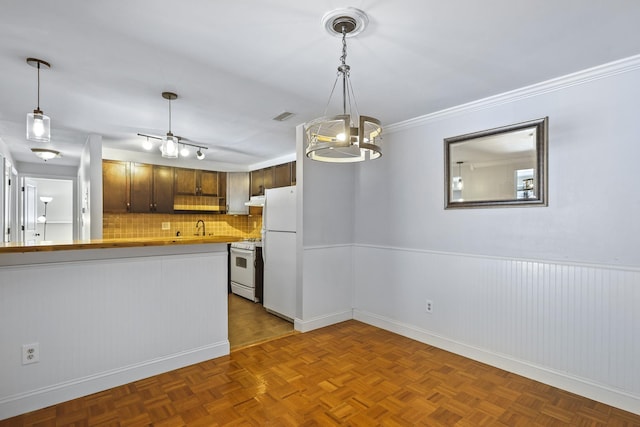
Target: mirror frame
[541, 176]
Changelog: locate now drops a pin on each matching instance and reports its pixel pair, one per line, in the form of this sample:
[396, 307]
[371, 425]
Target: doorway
[47, 210]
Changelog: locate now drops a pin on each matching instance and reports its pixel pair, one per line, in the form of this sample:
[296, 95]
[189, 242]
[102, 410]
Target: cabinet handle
[128, 206]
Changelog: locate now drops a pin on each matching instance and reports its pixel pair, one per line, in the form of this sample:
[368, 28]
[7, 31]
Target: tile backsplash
[118, 226]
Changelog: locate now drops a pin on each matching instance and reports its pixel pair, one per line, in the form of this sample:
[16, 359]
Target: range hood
[255, 201]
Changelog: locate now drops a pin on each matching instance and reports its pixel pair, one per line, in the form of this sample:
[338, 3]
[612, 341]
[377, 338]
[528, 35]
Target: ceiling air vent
[283, 116]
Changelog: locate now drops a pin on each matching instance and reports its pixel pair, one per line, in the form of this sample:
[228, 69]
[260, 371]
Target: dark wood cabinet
[207, 183]
[293, 173]
[142, 188]
[194, 182]
[163, 189]
[116, 190]
[257, 182]
[268, 177]
[222, 190]
[151, 188]
[282, 175]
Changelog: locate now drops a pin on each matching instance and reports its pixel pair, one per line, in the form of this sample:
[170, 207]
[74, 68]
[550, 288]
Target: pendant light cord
[169, 115]
[38, 107]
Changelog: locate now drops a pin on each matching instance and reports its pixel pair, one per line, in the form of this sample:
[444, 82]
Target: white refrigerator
[279, 251]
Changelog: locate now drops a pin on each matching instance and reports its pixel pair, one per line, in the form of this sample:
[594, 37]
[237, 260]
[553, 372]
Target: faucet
[204, 233]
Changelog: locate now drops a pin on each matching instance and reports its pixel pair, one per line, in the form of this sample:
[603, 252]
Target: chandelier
[347, 137]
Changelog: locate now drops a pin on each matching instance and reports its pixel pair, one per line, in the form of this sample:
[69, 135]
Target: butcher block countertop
[131, 242]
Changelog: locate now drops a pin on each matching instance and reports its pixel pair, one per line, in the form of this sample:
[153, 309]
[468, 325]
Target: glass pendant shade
[169, 147]
[38, 127]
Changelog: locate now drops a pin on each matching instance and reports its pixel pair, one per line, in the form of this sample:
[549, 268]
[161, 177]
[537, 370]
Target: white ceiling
[237, 64]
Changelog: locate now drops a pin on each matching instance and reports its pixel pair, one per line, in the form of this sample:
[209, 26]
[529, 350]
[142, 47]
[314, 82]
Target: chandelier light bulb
[184, 151]
[147, 145]
[38, 125]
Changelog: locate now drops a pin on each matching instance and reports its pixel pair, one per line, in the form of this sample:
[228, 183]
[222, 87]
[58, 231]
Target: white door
[30, 212]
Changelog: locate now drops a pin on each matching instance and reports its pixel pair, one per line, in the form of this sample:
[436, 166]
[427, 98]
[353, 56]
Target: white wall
[106, 317]
[326, 197]
[548, 292]
[90, 196]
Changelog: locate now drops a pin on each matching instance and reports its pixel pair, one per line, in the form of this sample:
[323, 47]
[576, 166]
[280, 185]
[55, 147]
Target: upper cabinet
[116, 192]
[143, 188]
[193, 182]
[282, 175]
[151, 188]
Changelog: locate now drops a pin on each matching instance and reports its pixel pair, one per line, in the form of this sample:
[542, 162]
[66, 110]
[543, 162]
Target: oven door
[242, 267]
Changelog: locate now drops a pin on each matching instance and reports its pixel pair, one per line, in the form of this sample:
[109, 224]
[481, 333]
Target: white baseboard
[322, 321]
[560, 380]
[41, 398]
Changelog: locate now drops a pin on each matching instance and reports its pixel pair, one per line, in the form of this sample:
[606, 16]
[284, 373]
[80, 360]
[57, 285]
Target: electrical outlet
[166, 226]
[30, 353]
[429, 306]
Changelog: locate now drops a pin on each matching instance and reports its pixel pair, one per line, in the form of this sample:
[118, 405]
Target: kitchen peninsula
[107, 312]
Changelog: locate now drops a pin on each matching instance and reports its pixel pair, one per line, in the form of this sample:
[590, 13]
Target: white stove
[245, 265]
[248, 244]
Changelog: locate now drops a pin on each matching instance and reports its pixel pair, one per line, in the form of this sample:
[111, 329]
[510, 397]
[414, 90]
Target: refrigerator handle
[264, 247]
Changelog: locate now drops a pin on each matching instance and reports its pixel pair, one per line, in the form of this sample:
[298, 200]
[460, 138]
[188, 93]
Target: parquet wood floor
[250, 323]
[346, 374]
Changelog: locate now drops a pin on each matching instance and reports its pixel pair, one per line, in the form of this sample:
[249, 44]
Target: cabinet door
[222, 190]
[269, 177]
[185, 181]
[208, 183]
[163, 189]
[282, 175]
[257, 182]
[115, 186]
[293, 173]
[141, 186]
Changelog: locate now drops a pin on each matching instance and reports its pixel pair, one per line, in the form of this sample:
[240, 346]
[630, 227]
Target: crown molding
[559, 83]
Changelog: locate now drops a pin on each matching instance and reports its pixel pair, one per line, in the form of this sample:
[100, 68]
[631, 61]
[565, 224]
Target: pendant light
[347, 137]
[169, 145]
[38, 124]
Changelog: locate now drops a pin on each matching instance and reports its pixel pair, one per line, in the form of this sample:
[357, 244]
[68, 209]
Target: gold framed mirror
[505, 166]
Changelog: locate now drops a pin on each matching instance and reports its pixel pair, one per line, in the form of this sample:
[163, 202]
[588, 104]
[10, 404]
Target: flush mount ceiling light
[171, 143]
[38, 125]
[347, 137]
[45, 153]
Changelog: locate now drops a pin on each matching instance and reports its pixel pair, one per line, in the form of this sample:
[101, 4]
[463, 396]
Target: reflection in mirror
[496, 167]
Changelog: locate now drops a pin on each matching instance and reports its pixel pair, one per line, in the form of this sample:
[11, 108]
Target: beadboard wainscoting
[570, 325]
[326, 294]
[107, 317]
